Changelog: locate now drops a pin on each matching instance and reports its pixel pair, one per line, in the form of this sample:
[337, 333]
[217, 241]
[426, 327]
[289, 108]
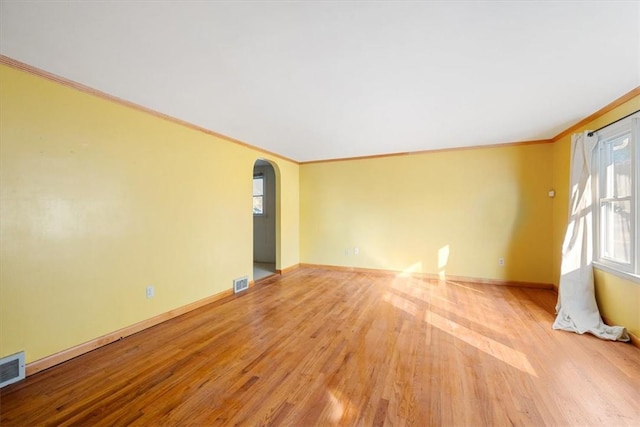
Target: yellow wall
[98, 201]
[618, 299]
[405, 213]
[287, 214]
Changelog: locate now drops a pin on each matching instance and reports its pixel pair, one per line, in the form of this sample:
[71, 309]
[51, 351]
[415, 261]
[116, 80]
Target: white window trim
[635, 278]
[264, 193]
[631, 273]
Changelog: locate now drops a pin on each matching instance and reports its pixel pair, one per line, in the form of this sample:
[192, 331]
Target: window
[616, 161]
[258, 194]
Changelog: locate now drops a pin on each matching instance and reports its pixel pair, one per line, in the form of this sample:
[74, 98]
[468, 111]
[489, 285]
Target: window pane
[258, 186]
[616, 230]
[257, 205]
[617, 167]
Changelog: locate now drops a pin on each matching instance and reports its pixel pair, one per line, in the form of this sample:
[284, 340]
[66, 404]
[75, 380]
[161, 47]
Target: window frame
[263, 195]
[630, 125]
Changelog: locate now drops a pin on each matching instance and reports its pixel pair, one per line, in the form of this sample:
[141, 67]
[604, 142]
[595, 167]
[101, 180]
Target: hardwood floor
[341, 348]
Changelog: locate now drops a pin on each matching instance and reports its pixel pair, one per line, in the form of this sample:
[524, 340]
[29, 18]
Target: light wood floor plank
[318, 347]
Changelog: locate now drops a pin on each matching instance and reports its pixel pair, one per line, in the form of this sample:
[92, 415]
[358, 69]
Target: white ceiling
[325, 79]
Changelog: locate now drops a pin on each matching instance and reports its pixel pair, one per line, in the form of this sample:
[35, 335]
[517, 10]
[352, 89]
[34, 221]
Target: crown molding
[13, 63]
[604, 110]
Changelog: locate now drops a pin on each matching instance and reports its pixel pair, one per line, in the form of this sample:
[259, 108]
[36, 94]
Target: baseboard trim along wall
[434, 277]
[288, 269]
[635, 340]
[70, 353]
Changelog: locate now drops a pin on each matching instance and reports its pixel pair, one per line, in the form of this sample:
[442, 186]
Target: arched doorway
[264, 219]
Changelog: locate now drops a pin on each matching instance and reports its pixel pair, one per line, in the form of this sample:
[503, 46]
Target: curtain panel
[577, 310]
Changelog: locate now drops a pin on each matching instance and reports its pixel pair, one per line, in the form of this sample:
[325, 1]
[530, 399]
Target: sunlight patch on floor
[401, 303]
[493, 348]
[340, 410]
[336, 408]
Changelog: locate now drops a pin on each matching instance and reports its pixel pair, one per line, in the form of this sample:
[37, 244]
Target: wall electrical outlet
[151, 292]
[501, 262]
[356, 251]
[346, 252]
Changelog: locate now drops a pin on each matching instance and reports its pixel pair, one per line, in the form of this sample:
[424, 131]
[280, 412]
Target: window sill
[621, 274]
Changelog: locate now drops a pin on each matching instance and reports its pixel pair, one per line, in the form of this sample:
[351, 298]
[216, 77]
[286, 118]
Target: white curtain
[577, 310]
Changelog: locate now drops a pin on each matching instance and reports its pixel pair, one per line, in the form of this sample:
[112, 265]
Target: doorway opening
[264, 220]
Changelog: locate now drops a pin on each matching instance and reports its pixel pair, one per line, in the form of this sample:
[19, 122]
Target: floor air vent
[240, 284]
[12, 369]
